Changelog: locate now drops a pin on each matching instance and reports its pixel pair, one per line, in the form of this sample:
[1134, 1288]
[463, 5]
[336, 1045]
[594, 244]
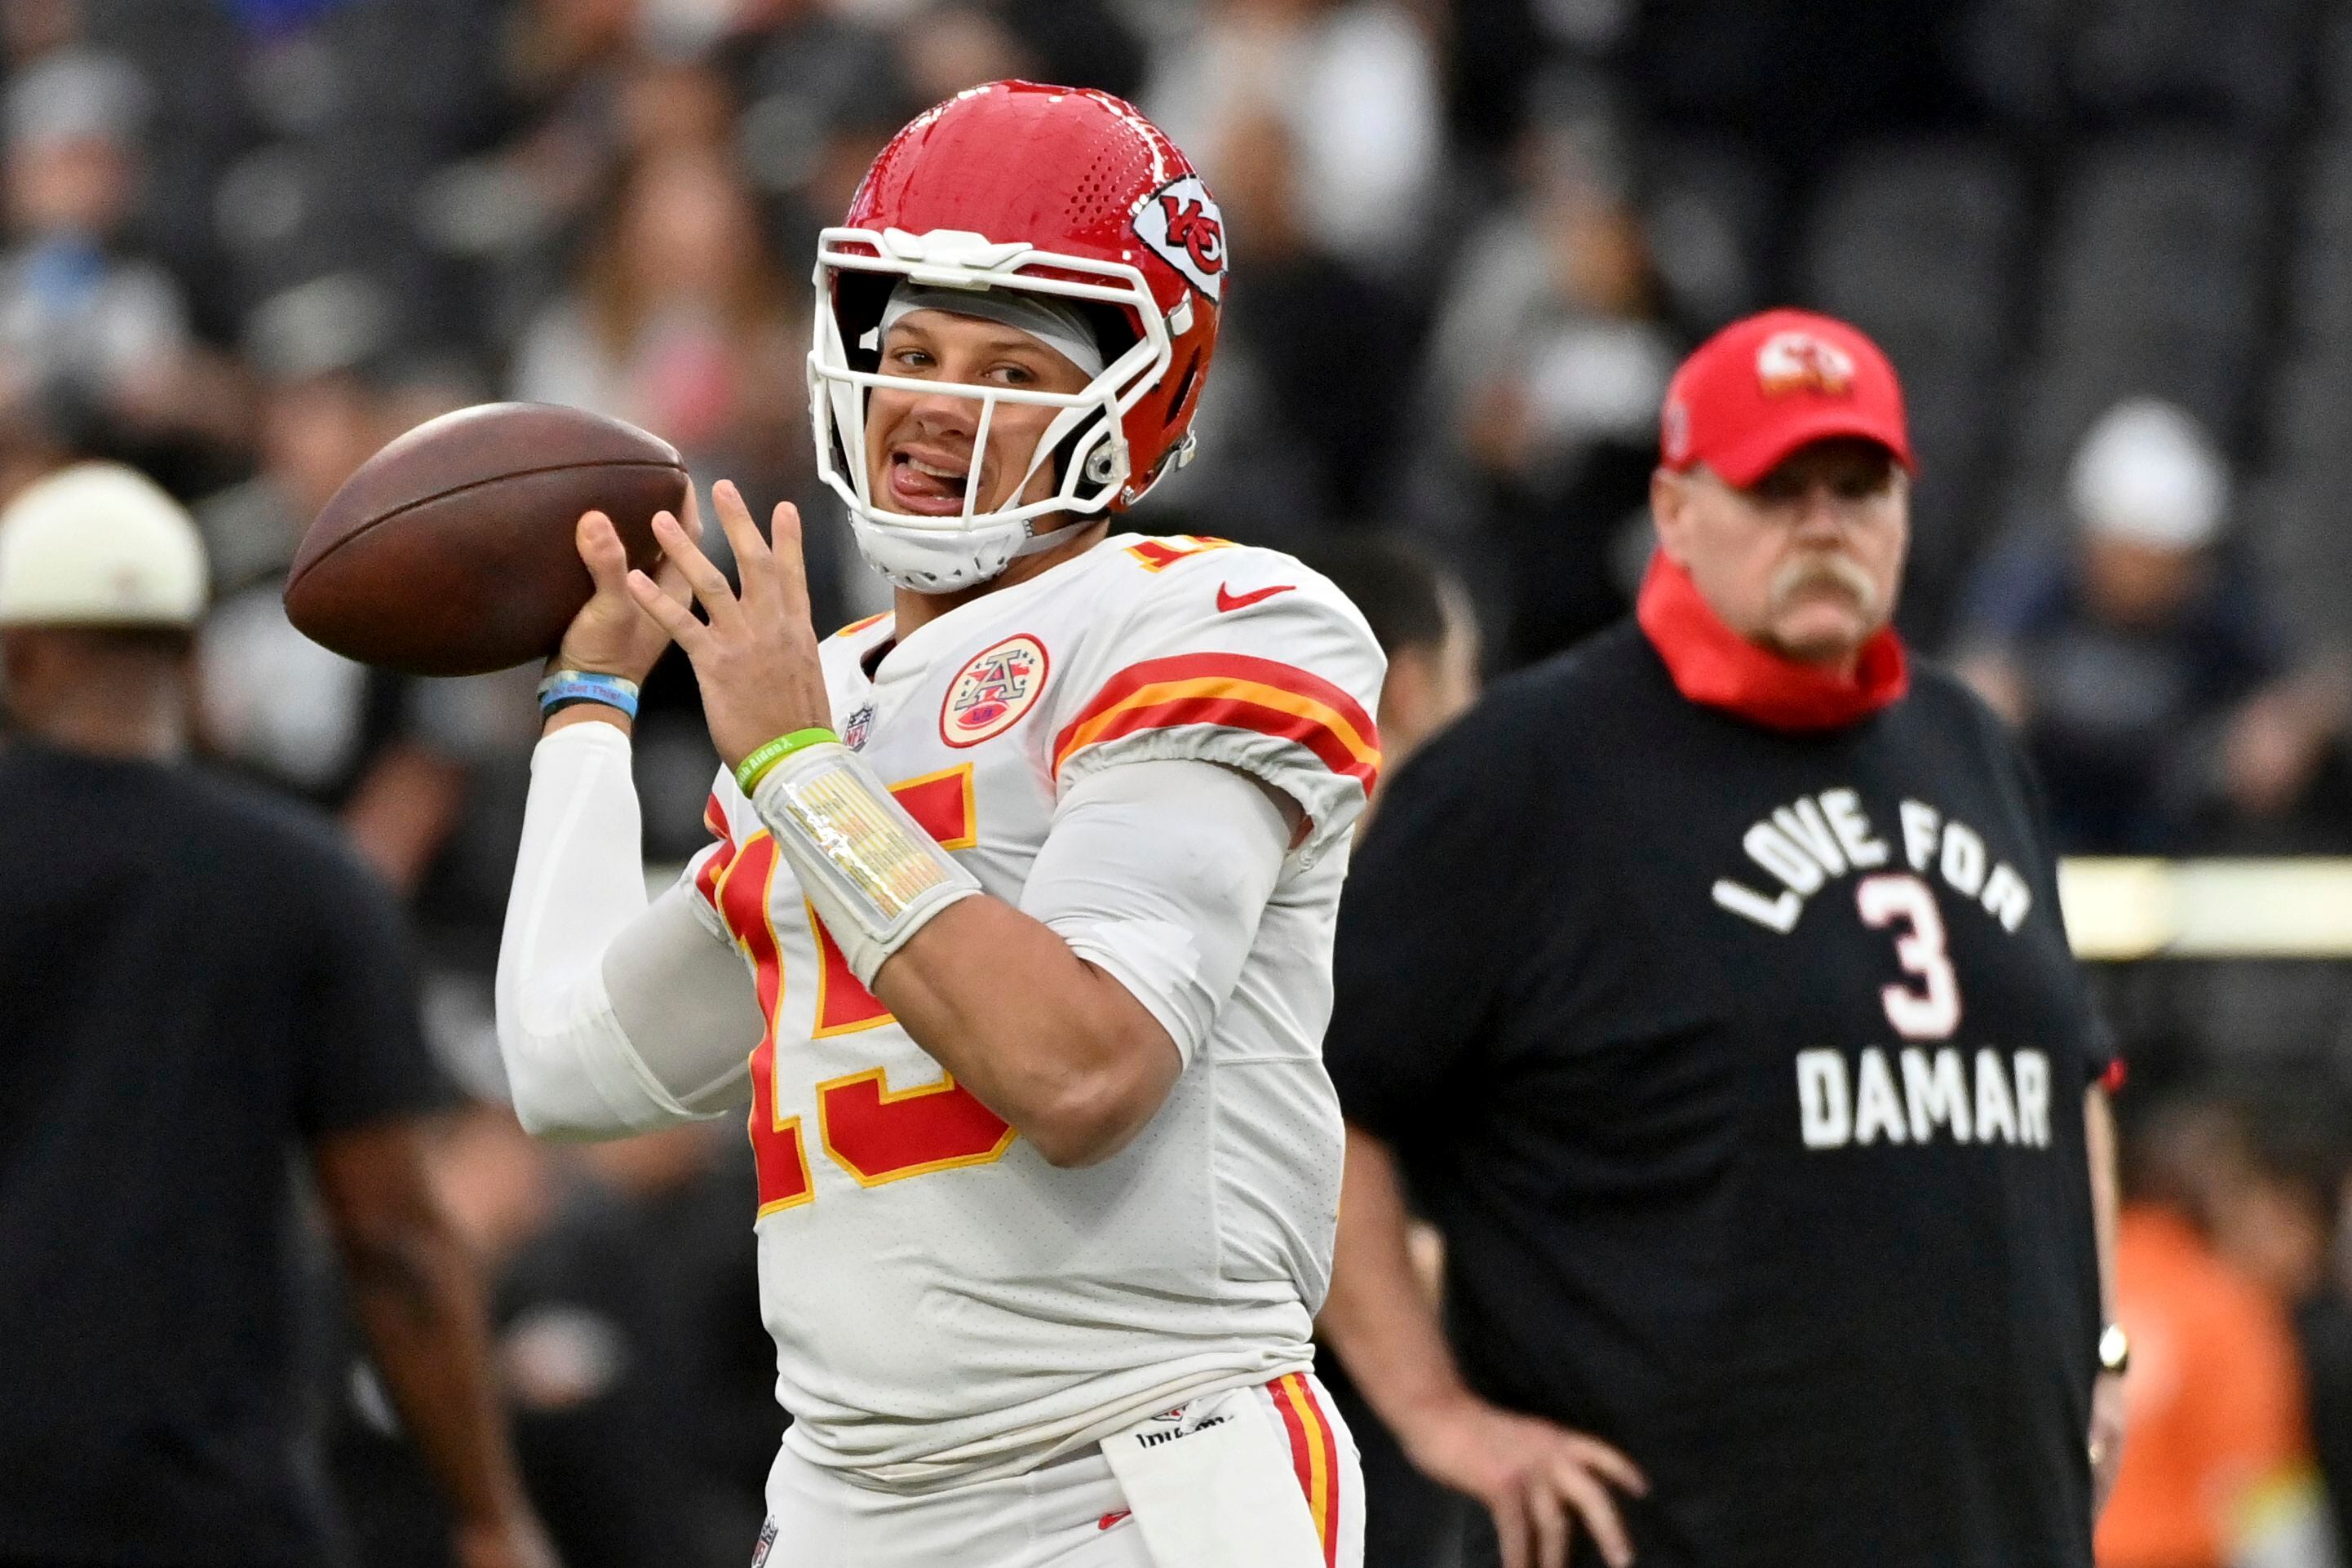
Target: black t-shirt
[1676, 1023]
[192, 980]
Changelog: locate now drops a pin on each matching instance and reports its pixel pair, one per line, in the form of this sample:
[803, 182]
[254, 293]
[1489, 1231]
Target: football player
[1014, 938]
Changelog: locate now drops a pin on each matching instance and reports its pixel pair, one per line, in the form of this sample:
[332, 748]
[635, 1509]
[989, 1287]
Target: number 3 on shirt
[870, 1130]
[1933, 1012]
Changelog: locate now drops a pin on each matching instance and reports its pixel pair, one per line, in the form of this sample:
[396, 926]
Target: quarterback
[1014, 937]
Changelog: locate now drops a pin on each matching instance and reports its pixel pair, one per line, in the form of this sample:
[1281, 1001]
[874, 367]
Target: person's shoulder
[1940, 697]
[1600, 674]
[1183, 591]
[858, 638]
[279, 834]
[1537, 727]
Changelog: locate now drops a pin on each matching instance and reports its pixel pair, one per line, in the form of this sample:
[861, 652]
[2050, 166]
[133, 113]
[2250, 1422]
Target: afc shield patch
[1180, 221]
[992, 691]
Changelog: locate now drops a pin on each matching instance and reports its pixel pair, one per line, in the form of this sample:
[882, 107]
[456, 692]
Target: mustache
[1829, 569]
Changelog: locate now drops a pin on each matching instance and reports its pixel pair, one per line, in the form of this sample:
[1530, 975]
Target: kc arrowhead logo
[1180, 221]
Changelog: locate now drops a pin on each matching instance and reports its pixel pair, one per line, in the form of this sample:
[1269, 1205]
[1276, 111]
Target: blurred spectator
[680, 319]
[1420, 617]
[2216, 1465]
[384, 752]
[1545, 372]
[1354, 82]
[1301, 415]
[2277, 1206]
[2141, 658]
[94, 343]
[949, 45]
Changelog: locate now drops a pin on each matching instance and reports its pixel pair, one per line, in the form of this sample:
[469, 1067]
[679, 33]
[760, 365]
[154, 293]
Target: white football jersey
[948, 1305]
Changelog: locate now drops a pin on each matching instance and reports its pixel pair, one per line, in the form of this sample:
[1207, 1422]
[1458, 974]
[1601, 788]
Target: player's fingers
[1511, 1529]
[1547, 1525]
[1596, 1454]
[709, 583]
[600, 551]
[669, 613]
[742, 532]
[1593, 1505]
[791, 565]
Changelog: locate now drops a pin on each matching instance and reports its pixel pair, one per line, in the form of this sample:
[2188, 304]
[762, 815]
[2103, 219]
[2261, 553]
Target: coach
[1707, 984]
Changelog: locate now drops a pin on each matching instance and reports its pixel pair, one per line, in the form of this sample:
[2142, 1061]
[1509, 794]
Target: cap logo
[1180, 221]
[1800, 362]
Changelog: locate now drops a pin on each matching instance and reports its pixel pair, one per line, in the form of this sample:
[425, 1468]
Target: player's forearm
[2099, 1141]
[1054, 1045]
[579, 881]
[1377, 1316]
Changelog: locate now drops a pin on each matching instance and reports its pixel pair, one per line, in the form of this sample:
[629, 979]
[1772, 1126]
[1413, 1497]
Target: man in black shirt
[194, 981]
[1708, 985]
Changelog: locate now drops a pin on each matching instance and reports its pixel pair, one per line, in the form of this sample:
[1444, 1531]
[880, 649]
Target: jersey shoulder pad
[1233, 654]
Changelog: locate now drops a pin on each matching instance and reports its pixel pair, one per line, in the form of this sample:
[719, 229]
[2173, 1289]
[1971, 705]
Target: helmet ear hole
[1176, 410]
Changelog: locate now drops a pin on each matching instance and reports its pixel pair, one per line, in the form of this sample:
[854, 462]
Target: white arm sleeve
[615, 1014]
[1157, 872]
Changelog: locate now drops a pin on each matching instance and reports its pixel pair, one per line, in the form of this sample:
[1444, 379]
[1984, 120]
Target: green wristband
[753, 768]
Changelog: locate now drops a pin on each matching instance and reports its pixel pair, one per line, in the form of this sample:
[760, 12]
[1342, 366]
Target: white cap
[2148, 474]
[99, 545]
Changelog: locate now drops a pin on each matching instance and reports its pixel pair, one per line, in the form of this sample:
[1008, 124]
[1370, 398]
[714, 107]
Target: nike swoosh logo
[1116, 1516]
[1229, 600]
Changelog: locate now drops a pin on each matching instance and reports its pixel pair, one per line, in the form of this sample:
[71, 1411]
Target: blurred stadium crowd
[2103, 240]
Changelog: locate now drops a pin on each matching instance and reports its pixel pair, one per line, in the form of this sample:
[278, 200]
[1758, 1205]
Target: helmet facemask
[940, 554]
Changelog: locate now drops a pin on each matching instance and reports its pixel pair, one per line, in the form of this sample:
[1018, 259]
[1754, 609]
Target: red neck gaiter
[1716, 667]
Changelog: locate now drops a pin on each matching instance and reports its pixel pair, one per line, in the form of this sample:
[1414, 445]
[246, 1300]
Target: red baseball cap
[1769, 384]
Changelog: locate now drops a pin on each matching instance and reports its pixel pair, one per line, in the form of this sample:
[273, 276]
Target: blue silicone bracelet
[564, 687]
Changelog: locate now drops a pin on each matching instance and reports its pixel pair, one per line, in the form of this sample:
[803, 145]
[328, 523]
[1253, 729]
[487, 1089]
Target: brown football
[450, 552]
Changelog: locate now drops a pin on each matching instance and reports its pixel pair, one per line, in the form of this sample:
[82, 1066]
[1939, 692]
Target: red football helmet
[1060, 192]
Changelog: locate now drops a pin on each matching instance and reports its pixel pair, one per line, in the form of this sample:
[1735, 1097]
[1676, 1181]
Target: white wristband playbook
[874, 875]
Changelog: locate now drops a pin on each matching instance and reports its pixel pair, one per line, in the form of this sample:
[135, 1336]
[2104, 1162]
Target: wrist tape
[874, 875]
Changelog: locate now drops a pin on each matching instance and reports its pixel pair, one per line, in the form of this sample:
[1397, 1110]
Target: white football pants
[1068, 1514]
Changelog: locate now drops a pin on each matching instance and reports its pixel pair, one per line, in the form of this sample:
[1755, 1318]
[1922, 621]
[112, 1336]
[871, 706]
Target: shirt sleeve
[365, 1056]
[1246, 658]
[615, 1014]
[1157, 873]
[1436, 903]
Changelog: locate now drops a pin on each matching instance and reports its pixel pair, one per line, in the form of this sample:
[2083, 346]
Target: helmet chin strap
[1037, 544]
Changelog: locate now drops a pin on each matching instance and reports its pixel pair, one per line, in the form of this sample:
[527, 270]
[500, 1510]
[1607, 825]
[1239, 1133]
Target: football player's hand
[611, 635]
[1537, 1479]
[756, 657]
[2106, 1439]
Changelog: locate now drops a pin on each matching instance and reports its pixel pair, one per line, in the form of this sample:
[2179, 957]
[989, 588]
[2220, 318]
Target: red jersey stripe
[1228, 666]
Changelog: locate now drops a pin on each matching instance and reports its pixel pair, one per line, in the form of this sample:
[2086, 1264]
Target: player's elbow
[1090, 1116]
[549, 1086]
[1085, 1133]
